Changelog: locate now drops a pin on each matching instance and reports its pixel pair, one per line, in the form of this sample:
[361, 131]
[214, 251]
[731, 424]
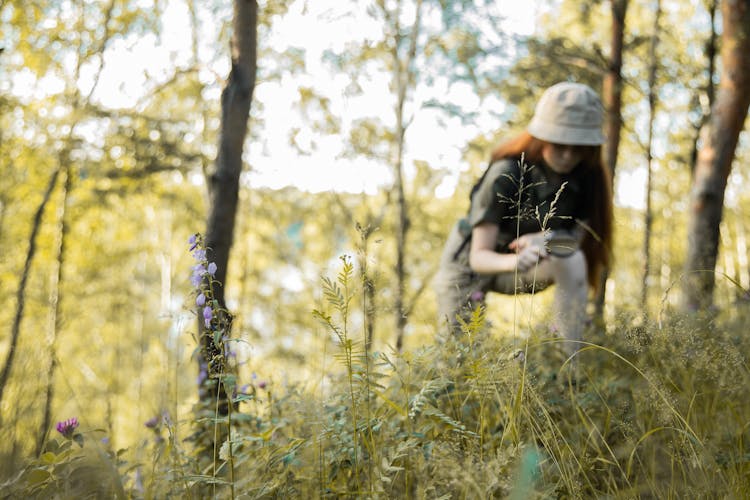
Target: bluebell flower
[199, 254]
[212, 268]
[195, 279]
[200, 300]
[193, 241]
[199, 270]
[207, 315]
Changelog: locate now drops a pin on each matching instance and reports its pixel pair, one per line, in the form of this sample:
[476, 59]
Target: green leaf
[205, 479]
[243, 397]
[78, 438]
[35, 477]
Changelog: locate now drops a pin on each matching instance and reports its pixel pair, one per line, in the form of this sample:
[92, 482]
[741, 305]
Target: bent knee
[571, 268]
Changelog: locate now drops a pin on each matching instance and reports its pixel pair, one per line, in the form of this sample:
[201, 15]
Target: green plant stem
[229, 440]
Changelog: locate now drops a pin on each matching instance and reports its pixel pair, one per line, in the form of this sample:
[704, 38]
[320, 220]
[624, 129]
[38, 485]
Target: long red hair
[597, 242]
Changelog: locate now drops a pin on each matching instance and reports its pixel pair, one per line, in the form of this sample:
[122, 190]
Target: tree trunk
[404, 80]
[710, 90]
[714, 162]
[612, 95]
[223, 182]
[55, 323]
[21, 292]
[648, 216]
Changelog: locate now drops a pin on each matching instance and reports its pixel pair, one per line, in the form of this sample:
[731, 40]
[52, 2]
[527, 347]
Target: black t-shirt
[527, 199]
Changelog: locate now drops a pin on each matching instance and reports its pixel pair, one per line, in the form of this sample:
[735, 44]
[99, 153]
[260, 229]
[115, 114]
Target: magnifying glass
[561, 243]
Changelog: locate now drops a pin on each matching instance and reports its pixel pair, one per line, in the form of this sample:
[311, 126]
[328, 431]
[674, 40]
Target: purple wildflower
[200, 300]
[477, 296]
[212, 268]
[195, 279]
[193, 241]
[262, 384]
[67, 427]
[152, 422]
[207, 315]
[202, 374]
[199, 254]
[198, 271]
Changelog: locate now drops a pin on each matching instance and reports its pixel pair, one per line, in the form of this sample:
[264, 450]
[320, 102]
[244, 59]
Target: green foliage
[657, 409]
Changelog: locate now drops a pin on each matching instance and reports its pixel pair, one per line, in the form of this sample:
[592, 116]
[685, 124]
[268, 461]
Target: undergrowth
[653, 411]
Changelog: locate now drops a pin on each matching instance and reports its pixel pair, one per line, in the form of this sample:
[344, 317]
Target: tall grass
[658, 410]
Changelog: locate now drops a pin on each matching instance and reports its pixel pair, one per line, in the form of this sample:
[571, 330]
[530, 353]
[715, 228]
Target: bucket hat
[568, 113]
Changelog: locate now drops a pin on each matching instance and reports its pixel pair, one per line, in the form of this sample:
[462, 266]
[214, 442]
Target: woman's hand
[530, 248]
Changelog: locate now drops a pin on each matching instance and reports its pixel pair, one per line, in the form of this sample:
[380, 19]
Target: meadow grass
[645, 410]
[657, 410]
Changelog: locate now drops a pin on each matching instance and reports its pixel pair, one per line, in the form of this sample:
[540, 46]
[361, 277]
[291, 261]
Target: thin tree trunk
[236, 99]
[714, 161]
[55, 318]
[613, 104]
[404, 79]
[21, 292]
[648, 216]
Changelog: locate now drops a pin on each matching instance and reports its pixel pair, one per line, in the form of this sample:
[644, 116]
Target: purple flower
[207, 315]
[197, 276]
[195, 279]
[200, 254]
[212, 268]
[200, 300]
[202, 374]
[262, 384]
[152, 422]
[193, 241]
[67, 427]
[477, 296]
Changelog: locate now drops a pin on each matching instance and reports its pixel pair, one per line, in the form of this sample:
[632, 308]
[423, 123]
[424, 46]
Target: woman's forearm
[485, 261]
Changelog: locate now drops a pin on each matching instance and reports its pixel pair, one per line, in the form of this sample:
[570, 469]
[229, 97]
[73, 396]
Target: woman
[541, 214]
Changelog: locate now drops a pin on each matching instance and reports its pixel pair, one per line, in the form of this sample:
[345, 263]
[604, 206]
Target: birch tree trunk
[714, 161]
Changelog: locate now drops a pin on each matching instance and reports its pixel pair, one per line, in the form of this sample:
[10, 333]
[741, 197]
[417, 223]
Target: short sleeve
[492, 198]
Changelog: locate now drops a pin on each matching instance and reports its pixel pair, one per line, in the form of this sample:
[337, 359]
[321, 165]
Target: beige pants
[459, 290]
